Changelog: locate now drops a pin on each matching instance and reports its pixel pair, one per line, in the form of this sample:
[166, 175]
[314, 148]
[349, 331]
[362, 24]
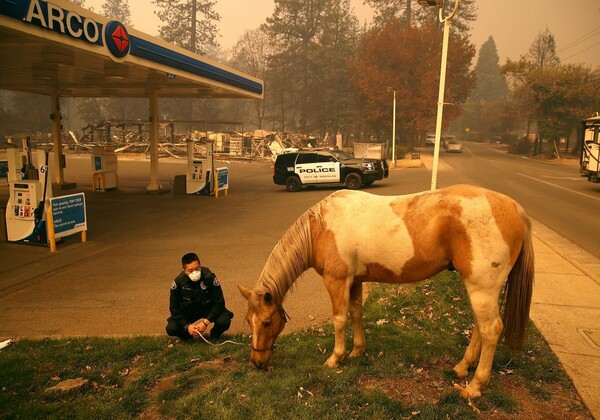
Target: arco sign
[45, 14]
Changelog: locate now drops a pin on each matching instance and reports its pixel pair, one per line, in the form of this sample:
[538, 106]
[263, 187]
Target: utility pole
[440, 110]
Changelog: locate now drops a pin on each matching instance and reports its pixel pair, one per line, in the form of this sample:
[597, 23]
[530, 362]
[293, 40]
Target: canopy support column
[154, 186]
[58, 164]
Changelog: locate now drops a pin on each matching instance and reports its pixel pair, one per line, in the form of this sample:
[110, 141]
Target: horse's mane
[290, 257]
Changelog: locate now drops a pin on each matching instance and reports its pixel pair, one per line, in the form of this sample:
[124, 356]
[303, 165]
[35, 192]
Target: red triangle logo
[120, 39]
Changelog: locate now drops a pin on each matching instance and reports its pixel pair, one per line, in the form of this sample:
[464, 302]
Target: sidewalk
[566, 306]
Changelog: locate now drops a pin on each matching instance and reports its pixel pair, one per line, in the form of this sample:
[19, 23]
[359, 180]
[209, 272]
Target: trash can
[179, 184]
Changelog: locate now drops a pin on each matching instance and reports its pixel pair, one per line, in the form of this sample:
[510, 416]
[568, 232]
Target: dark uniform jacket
[190, 301]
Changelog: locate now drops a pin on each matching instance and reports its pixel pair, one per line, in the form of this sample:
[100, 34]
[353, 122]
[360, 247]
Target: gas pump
[199, 175]
[28, 191]
[104, 167]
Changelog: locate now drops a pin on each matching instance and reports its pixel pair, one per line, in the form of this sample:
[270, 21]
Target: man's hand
[196, 330]
[198, 327]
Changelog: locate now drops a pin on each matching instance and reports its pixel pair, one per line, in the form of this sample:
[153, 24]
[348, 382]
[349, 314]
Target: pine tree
[491, 84]
[314, 39]
[483, 110]
[183, 26]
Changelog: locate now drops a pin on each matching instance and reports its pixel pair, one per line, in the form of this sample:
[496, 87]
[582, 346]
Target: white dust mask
[194, 275]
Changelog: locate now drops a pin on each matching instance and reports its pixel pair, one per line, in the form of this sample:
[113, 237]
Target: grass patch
[415, 335]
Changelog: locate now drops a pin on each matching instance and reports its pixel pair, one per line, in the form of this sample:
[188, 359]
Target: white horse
[351, 237]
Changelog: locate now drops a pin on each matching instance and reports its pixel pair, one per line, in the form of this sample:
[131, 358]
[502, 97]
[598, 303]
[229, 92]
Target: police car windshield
[341, 155]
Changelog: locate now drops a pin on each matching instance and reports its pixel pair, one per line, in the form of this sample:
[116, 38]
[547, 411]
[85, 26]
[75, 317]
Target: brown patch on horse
[509, 223]
[378, 273]
[325, 256]
[462, 190]
[439, 238]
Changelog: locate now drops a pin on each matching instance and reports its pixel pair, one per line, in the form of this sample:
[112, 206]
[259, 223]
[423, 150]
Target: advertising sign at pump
[68, 214]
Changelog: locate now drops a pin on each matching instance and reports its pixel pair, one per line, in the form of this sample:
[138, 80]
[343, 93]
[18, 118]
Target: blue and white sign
[68, 214]
[222, 178]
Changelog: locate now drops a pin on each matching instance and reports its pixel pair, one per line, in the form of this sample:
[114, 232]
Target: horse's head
[266, 319]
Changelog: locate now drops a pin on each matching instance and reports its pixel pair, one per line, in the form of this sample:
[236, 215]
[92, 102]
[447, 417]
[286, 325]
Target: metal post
[440, 110]
[57, 139]
[154, 185]
[394, 134]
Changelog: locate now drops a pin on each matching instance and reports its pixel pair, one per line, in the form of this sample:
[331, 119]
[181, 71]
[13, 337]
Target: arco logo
[117, 39]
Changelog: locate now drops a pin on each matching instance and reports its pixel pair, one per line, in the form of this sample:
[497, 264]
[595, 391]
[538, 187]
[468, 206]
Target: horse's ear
[244, 291]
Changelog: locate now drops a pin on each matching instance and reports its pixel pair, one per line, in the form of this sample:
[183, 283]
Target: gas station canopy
[58, 48]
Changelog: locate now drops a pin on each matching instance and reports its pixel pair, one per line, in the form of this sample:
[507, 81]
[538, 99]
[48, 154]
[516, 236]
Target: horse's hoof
[460, 371]
[356, 353]
[466, 392]
[331, 363]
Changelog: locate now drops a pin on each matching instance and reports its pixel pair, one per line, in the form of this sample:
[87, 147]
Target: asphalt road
[118, 282]
[552, 193]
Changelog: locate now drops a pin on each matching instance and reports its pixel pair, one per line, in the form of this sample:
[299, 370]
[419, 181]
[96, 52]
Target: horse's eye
[266, 323]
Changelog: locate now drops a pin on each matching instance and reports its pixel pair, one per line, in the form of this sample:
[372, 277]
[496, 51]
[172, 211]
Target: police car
[317, 167]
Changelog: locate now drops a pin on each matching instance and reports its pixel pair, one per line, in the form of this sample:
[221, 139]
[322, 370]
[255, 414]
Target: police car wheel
[353, 181]
[293, 184]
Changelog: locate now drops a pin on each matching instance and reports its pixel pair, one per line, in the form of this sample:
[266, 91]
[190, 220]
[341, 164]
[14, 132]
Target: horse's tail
[518, 291]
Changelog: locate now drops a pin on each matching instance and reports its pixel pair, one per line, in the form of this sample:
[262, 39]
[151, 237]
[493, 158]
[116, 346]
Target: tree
[183, 27]
[565, 94]
[190, 24]
[486, 104]
[408, 61]
[529, 76]
[404, 12]
[295, 28]
[559, 96]
[25, 114]
[308, 71]
[330, 104]
[491, 84]
[251, 54]
[542, 52]
[117, 9]
[460, 23]
[388, 10]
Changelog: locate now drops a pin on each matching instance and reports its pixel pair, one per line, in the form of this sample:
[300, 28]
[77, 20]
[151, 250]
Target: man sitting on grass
[196, 301]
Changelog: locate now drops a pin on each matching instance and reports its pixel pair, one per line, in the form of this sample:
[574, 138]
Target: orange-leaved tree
[407, 60]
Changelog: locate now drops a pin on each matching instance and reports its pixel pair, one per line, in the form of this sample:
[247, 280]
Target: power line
[582, 38]
[584, 50]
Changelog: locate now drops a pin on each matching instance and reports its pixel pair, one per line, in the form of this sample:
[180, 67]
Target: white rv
[590, 149]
